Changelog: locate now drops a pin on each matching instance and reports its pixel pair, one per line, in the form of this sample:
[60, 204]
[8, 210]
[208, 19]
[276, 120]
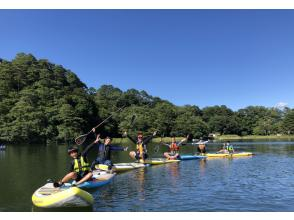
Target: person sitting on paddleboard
[141, 146]
[79, 167]
[230, 147]
[173, 148]
[227, 148]
[104, 152]
[201, 148]
[223, 150]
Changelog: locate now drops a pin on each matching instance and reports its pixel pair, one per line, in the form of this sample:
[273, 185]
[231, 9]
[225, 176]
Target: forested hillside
[42, 102]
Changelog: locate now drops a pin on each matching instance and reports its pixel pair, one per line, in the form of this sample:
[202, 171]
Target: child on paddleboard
[79, 167]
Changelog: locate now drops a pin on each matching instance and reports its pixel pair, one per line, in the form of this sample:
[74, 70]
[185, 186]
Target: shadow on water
[63, 209]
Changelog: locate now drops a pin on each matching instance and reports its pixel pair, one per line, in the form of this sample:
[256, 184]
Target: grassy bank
[154, 140]
[219, 138]
[255, 137]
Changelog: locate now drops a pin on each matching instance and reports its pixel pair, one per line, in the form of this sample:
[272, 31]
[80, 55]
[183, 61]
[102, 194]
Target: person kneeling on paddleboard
[173, 148]
[104, 153]
[79, 166]
[141, 146]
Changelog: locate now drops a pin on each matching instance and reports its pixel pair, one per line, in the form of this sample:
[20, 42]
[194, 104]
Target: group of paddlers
[81, 170]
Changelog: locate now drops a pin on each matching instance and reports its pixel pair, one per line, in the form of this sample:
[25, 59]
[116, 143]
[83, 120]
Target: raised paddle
[81, 139]
[131, 124]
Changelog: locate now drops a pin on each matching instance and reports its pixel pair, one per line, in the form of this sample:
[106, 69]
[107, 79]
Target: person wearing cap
[141, 146]
[201, 148]
[173, 148]
[104, 152]
[79, 167]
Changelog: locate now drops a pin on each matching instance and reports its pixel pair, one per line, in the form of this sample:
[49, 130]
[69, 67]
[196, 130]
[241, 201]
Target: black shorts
[172, 154]
[137, 156]
[203, 151]
[81, 175]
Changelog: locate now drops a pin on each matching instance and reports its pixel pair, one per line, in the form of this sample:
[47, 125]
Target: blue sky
[201, 57]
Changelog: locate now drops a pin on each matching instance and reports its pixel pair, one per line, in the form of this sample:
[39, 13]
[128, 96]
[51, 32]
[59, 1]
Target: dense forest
[43, 102]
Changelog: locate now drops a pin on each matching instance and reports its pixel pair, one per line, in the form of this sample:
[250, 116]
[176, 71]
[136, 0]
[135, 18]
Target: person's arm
[165, 144]
[131, 139]
[117, 148]
[71, 167]
[183, 140]
[148, 139]
[90, 146]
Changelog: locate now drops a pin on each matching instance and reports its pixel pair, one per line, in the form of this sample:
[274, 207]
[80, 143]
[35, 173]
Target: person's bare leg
[166, 155]
[68, 177]
[85, 178]
[132, 154]
[174, 157]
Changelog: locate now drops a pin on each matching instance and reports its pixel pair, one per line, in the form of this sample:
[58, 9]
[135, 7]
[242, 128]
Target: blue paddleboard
[191, 157]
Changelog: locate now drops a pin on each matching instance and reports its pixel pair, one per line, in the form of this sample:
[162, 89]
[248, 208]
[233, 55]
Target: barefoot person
[173, 148]
[141, 146]
[79, 166]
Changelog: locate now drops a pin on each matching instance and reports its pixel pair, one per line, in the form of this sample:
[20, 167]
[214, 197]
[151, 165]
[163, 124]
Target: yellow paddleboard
[158, 161]
[50, 197]
[241, 154]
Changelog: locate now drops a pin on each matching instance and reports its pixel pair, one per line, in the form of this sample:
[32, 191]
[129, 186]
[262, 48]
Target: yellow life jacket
[80, 165]
[141, 149]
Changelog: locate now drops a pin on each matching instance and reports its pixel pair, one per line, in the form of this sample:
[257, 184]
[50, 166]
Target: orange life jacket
[174, 147]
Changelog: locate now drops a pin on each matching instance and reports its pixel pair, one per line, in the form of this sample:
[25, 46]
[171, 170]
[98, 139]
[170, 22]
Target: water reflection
[141, 181]
[2, 154]
[259, 183]
[202, 166]
[63, 209]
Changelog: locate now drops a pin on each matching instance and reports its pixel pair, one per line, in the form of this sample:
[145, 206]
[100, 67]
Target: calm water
[264, 182]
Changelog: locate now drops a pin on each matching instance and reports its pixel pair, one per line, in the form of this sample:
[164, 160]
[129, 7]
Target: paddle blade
[156, 149]
[81, 139]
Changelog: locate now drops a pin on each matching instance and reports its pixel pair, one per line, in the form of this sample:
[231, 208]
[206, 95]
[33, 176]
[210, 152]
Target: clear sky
[200, 57]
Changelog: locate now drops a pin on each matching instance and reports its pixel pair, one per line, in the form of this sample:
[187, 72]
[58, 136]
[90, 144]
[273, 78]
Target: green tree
[288, 122]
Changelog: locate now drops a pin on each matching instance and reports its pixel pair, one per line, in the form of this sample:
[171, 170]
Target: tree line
[43, 102]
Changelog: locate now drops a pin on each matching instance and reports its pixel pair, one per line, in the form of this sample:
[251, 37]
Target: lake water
[264, 182]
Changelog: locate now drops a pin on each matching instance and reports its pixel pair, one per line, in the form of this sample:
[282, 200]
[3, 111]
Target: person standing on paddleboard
[141, 146]
[79, 167]
[104, 152]
[173, 148]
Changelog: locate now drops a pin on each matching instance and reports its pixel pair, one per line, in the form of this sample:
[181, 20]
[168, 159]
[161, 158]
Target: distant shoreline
[254, 137]
[221, 138]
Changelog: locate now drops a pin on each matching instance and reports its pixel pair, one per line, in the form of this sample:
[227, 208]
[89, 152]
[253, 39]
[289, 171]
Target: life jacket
[174, 147]
[80, 165]
[230, 148]
[140, 149]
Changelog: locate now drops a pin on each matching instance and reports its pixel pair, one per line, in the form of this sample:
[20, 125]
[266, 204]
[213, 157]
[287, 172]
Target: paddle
[156, 148]
[131, 124]
[81, 139]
